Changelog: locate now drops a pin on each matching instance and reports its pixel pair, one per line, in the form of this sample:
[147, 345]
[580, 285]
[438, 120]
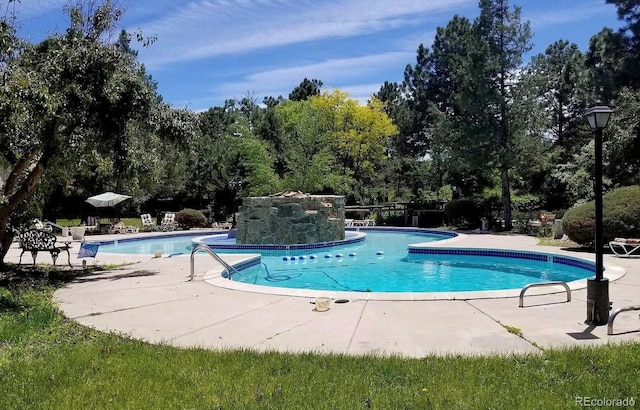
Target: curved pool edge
[613, 272]
[214, 277]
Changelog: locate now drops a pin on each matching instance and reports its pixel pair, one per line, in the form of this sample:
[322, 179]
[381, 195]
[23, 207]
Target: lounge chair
[168, 222]
[117, 227]
[120, 227]
[221, 225]
[93, 224]
[38, 224]
[625, 247]
[147, 222]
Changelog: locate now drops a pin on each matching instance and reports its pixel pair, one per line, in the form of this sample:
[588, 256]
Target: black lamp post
[235, 185]
[598, 286]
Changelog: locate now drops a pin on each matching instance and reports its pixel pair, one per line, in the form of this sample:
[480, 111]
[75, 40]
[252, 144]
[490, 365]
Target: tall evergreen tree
[506, 39]
[629, 12]
[307, 88]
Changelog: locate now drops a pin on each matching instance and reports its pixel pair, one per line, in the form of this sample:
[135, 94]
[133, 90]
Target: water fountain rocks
[291, 219]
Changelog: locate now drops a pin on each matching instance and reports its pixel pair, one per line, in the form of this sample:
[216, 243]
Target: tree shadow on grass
[38, 277]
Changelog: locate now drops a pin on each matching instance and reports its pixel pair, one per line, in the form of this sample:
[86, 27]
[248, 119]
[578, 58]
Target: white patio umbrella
[107, 199]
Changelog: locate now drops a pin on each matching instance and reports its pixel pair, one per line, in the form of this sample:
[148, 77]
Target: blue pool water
[382, 263]
[169, 245]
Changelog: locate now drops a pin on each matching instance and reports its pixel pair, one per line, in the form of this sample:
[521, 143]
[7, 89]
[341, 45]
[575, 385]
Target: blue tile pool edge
[504, 253]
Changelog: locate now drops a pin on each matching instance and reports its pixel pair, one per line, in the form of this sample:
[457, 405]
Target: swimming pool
[388, 261]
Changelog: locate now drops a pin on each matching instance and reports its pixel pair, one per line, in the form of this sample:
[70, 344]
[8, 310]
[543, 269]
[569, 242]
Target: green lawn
[48, 362]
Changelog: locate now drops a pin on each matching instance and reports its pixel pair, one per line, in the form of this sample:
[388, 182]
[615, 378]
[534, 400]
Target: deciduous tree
[61, 99]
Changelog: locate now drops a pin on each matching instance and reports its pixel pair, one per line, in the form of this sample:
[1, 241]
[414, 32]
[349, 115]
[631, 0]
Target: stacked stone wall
[291, 219]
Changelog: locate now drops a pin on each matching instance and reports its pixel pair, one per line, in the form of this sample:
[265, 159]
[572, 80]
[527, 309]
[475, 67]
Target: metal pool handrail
[615, 313]
[206, 248]
[533, 285]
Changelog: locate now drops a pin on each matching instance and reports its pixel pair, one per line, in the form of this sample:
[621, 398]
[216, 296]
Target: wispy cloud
[217, 27]
[334, 74]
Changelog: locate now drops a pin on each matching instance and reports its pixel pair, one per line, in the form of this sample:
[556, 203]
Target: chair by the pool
[147, 222]
[93, 224]
[120, 227]
[221, 225]
[38, 224]
[117, 227]
[168, 222]
[625, 247]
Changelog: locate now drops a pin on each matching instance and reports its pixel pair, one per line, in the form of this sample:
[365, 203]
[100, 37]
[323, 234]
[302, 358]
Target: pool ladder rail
[616, 313]
[207, 249]
[536, 285]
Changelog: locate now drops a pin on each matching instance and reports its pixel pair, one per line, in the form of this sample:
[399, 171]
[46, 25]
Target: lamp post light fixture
[598, 286]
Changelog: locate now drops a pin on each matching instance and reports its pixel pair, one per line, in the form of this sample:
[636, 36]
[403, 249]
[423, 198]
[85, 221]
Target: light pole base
[597, 301]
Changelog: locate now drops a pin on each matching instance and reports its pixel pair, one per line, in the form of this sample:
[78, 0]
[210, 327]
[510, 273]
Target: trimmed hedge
[621, 217]
[191, 218]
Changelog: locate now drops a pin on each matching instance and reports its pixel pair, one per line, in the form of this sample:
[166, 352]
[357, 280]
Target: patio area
[153, 300]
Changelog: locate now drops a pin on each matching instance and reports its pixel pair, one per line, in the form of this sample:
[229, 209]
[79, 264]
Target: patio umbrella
[107, 199]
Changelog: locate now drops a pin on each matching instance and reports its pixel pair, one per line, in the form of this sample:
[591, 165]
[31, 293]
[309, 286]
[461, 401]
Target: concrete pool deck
[153, 300]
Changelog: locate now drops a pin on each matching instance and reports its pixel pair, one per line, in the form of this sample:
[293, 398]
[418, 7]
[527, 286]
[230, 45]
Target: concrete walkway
[153, 300]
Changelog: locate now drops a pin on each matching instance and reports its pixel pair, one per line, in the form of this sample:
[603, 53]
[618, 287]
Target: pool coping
[214, 277]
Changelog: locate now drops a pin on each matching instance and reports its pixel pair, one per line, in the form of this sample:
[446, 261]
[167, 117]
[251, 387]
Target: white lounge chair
[38, 224]
[168, 222]
[625, 247]
[221, 225]
[93, 224]
[147, 222]
[118, 227]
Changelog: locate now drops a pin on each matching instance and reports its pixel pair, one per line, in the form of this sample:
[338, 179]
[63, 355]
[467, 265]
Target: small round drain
[340, 301]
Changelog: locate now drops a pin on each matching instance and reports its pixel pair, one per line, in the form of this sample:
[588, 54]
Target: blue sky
[208, 51]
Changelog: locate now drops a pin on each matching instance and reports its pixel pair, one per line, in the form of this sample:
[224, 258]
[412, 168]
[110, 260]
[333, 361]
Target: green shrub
[621, 217]
[525, 203]
[460, 211]
[191, 218]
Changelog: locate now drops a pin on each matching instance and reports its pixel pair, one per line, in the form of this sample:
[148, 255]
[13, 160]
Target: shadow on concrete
[564, 300]
[584, 335]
